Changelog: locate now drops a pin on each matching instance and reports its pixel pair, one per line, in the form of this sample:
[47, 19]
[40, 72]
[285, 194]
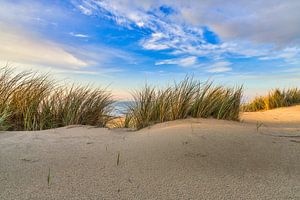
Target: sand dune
[185, 159]
[287, 116]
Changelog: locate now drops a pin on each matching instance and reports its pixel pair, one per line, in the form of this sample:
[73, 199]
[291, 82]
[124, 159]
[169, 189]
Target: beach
[151, 99]
[257, 158]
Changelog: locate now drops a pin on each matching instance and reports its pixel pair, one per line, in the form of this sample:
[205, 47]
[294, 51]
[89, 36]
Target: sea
[120, 108]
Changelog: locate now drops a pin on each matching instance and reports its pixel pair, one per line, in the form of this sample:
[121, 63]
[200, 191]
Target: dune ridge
[182, 159]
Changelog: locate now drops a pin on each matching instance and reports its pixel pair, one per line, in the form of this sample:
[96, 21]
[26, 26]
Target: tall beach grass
[31, 101]
[188, 98]
[275, 99]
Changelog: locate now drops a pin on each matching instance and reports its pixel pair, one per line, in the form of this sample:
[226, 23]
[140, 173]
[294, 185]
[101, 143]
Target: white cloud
[23, 46]
[155, 42]
[32, 13]
[290, 55]
[85, 10]
[18, 46]
[165, 33]
[264, 25]
[184, 62]
[79, 35]
[271, 27]
[189, 61]
[269, 21]
[222, 66]
[25, 51]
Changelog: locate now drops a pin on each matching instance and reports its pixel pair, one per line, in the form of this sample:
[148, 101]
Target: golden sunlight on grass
[29, 101]
[275, 99]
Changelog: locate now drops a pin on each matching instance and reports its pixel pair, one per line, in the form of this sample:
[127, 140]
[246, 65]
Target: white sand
[186, 159]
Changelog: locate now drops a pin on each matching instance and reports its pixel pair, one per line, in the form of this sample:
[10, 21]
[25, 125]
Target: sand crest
[185, 159]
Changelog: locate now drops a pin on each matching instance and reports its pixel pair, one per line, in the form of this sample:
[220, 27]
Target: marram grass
[188, 98]
[275, 99]
[29, 101]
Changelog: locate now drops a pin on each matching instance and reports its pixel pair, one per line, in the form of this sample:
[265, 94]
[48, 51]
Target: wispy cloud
[156, 42]
[23, 43]
[184, 62]
[21, 49]
[219, 67]
[181, 32]
[291, 55]
[79, 35]
[19, 46]
[84, 10]
[165, 33]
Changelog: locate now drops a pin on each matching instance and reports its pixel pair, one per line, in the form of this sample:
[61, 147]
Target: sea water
[120, 108]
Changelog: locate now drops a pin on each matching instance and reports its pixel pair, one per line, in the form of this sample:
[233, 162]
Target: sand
[280, 117]
[185, 159]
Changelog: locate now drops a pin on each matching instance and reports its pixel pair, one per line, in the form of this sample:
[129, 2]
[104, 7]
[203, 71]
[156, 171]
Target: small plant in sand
[30, 101]
[275, 99]
[258, 125]
[49, 177]
[118, 158]
[188, 98]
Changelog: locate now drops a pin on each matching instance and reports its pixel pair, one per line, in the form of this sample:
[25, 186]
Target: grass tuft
[29, 101]
[188, 98]
[275, 99]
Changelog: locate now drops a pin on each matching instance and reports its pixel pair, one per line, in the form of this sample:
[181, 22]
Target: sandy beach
[149, 100]
[185, 159]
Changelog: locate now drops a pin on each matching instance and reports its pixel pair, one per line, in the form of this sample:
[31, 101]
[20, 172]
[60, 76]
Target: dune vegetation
[188, 98]
[32, 101]
[275, 99]
[29, 101]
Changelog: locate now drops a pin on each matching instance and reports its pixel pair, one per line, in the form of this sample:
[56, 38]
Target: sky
[123, 44]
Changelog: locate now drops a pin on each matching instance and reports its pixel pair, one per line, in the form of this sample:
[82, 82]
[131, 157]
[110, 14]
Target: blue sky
[125, 43]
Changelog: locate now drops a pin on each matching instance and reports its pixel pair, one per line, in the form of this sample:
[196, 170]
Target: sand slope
[185, 159]
[287, 116]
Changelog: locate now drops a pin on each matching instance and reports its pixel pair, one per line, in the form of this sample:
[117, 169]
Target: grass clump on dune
[275, 99]
[79, 105]
[188, 98]
[29, 101]
[217, 102]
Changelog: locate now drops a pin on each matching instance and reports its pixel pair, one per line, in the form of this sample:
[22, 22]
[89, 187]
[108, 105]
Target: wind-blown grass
[29, 101]
[188, 98]
[275, 99]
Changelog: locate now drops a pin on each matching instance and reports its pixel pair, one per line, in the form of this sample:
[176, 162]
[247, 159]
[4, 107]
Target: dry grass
[275, 99]
[188, 98]
[29, 101]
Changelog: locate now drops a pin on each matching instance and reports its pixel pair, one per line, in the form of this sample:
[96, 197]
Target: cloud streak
[219, 67]
[182, 32]
[184, 62]
[18, 46]
[25, 46]
[79, 35]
